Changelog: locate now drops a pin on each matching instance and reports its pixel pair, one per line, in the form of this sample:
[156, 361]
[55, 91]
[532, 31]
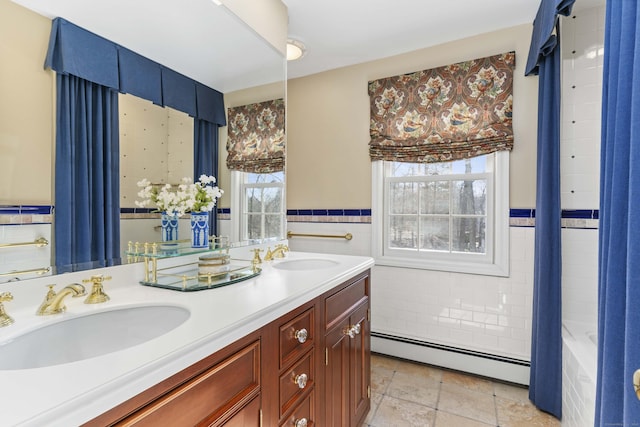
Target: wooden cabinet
[310, 367]
[347, 377]
[296, 367]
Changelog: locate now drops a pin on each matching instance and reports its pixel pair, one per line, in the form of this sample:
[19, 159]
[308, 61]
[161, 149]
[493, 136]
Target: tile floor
[412, 394]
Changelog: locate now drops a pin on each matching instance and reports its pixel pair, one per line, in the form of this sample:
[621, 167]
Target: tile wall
[582, 41]
[23, 224]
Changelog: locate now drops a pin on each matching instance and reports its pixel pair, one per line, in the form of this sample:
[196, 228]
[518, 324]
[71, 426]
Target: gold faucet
[278, 252]
[97, 291]
[54, 302]
[5, 319]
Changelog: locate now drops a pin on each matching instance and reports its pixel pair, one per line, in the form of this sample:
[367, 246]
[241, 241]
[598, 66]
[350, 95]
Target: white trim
[236, 203]
[447, 359]
[495, 264]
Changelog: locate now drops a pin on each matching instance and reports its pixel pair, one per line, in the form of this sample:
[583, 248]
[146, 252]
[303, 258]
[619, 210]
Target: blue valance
[178, 92]
[140, 76]
[543, 39]
[76, 51]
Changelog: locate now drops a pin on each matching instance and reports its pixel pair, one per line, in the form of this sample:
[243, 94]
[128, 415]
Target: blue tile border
[328, 212]
[566, 213]
[521, 213]
[26, 210]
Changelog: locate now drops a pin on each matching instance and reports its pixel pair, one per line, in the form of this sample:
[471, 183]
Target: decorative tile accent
[25, 214]
[571, 218]
[362, 216]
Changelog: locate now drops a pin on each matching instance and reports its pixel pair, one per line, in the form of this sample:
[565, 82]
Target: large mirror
[205, 41]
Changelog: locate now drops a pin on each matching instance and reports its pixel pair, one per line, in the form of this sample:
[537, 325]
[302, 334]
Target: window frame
[496, 260]
[239, 212]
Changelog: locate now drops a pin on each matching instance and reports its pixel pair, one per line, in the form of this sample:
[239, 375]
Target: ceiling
[209, 44]
[339, 33]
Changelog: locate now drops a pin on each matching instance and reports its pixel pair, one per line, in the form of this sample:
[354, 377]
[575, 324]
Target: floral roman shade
[256, 140]
[443, 114]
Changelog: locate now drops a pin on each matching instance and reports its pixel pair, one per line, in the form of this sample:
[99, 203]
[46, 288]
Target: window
[450, 216]
[260, 205]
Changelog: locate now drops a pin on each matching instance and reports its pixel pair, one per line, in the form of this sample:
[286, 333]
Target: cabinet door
[360, 361]
[249, 416]
[337, 376]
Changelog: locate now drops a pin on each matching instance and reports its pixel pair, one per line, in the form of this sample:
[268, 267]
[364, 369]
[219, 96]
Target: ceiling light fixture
[295, 50]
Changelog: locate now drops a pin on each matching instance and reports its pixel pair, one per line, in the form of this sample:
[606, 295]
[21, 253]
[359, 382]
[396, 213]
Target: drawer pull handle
[352, 331]
[301, 380]
[301, 335]
[302, 422]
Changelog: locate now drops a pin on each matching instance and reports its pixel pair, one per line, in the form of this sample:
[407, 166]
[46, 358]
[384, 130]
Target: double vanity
[289, 346]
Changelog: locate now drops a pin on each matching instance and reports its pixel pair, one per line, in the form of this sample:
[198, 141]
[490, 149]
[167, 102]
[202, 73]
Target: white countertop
[73, 393]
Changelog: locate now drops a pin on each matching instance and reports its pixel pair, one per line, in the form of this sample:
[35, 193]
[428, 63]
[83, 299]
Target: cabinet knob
[302, 422]
[301, 380]
[352, 331]
[301, 335]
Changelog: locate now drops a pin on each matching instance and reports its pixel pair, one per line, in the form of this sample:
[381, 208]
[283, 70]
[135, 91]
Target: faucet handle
[97, 294]
[256, 256]
[5, 319]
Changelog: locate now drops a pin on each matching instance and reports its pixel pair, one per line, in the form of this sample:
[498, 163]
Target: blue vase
[169, 227]
[200, 229]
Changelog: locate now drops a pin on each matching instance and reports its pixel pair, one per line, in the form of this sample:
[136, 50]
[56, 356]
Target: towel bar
[347, 236]
[41, 242]
[38, 271]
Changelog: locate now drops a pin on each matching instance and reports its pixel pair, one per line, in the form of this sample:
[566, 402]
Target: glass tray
[138, 251]
[186, 278]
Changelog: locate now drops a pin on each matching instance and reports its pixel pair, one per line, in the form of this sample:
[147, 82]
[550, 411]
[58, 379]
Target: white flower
[200, 196]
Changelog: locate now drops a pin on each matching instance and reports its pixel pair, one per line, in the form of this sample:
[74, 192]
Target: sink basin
[88, 336]
[305, 264]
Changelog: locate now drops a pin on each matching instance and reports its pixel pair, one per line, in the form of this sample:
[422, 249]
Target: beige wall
[26, 107]
[328, 162]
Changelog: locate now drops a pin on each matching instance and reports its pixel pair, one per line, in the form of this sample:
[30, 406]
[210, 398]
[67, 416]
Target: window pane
[403, 232]
[271, 198]
[434, 233]
[254, 227]
[259, 178]
[469, 197]
[434, 197]
[403, 198]
[468, 235]
[253, 199]
[273, 226]
[401, 169]
[472, 165]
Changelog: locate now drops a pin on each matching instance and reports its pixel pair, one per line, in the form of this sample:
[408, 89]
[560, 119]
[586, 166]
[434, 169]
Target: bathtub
[579, 367]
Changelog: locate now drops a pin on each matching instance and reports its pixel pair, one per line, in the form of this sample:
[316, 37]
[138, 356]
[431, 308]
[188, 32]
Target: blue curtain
[87, 179]
[619, 231]
[545, 381]
[205, 158]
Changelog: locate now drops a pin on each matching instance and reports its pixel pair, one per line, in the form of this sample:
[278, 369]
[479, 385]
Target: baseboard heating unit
[475, 362]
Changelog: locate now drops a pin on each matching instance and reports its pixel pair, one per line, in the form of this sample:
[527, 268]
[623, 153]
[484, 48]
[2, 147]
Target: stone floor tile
[394, 412]
[445, 419]
[467, 403]
[513, 413]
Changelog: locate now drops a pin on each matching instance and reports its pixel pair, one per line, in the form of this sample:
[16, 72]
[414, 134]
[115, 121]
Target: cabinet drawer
[296, 336]
[219, 391]
[342, 302]
[304, 411]
[300, 374]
